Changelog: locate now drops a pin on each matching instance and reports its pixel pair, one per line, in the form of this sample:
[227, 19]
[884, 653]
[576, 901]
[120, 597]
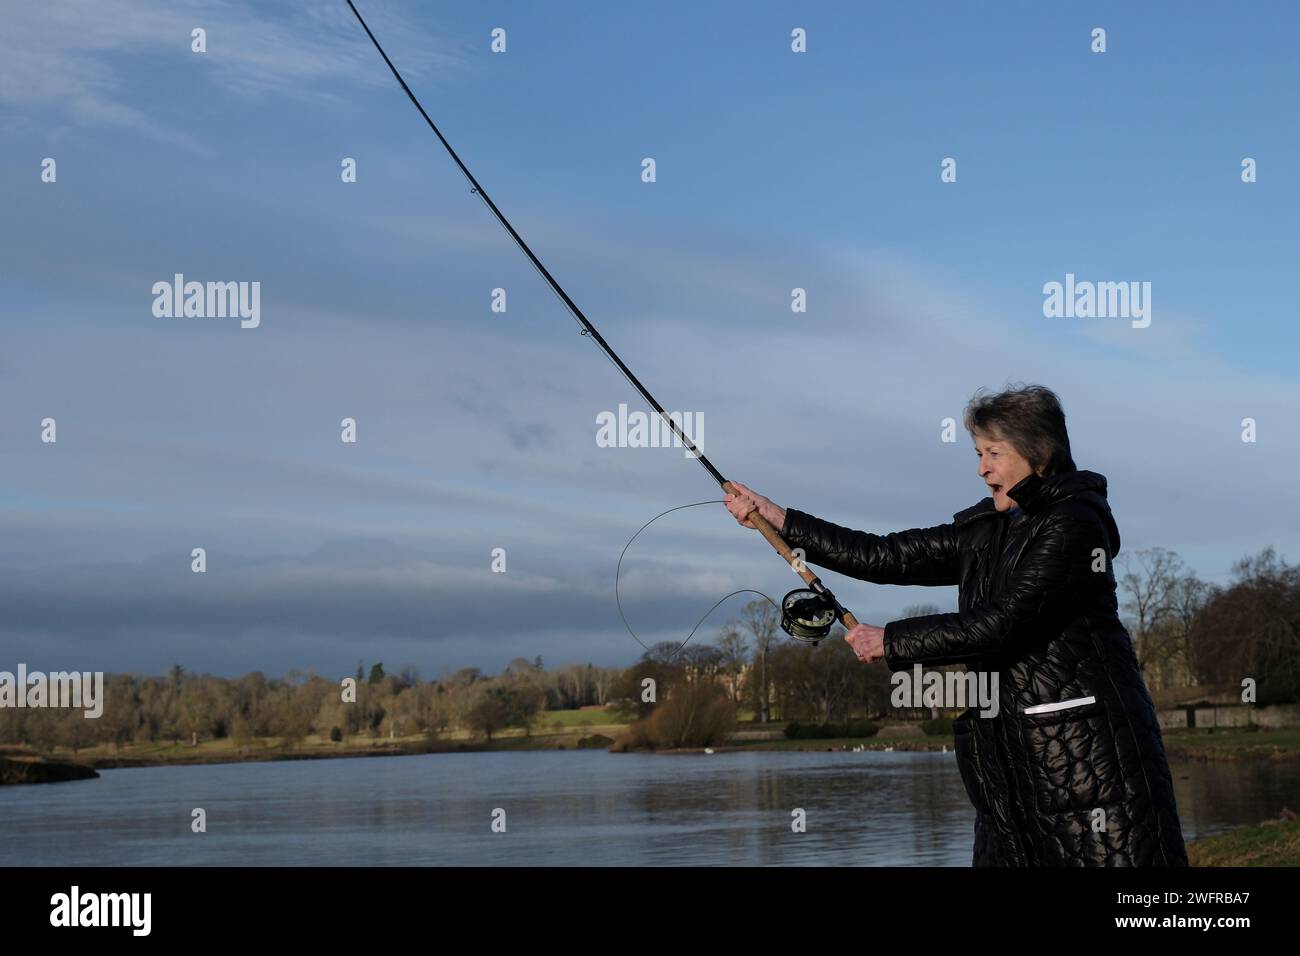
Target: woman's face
[1001, 467]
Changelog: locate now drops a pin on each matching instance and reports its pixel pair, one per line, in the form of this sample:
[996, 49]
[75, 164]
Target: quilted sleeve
[1054, 572]
[918, 556]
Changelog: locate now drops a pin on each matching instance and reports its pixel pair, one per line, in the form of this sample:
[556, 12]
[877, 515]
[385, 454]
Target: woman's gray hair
[1031, 419]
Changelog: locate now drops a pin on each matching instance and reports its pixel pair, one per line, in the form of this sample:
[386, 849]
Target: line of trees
[185, 707]
[1189, 633]
[1186, 633]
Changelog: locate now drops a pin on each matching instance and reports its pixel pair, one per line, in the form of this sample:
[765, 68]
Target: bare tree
[702, 662]
[1150, 585]
[489, 711]
[826, 683]
[605, 678]
[438, 709]
[1189, 598]
[761, 620]
[520, 668]
[74, 731]
[292, 719]
[735, 655]
[1251, 629]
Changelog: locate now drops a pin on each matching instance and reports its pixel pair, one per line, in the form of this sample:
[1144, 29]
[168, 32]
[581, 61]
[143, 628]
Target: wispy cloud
[477, 429]
[104, 61]
[387, 545]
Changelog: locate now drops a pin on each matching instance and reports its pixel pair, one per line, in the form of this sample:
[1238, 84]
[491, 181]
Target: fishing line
[806, 614]
[706, 613]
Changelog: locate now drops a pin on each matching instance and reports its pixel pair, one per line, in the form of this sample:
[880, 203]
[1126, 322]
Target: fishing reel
[807, 615]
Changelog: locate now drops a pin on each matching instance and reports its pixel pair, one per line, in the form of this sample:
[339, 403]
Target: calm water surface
[562, 808]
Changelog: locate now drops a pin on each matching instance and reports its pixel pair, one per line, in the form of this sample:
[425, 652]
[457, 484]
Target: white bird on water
[708, 750]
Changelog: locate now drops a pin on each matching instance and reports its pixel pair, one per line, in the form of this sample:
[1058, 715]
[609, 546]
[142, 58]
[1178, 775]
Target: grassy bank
[1281, 744]
[570, 730]
[578, 731]
[1273, 843]
[938, 742]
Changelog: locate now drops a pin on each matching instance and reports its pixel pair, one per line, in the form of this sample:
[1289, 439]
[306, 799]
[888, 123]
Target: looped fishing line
[802, 612]
[706, 613]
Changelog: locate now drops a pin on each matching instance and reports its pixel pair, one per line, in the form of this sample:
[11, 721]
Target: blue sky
[774, 170]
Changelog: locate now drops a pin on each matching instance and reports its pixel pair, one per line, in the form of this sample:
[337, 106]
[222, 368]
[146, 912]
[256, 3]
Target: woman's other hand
[745, 501]
[868, 642]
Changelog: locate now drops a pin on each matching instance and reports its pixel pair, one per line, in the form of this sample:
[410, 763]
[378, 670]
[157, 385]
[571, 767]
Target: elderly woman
[1071, 770]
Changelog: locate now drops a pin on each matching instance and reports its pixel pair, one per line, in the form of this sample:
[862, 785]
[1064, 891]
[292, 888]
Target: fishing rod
[806, 614]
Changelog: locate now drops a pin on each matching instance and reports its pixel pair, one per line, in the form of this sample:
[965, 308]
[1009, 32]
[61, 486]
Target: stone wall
[1231, 715]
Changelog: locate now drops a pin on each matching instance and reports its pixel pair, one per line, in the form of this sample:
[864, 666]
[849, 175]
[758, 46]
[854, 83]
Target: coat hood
[1036, 494]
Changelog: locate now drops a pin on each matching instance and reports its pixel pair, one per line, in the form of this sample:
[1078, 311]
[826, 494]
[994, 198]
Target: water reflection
[561, 808]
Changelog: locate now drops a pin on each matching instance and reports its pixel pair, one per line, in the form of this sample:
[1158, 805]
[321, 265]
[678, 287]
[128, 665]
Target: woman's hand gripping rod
[796, 612]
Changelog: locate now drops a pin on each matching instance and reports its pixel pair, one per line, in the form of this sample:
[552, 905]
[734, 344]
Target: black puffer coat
[1037, 606]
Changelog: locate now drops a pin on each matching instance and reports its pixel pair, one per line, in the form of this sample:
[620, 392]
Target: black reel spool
[807, 615]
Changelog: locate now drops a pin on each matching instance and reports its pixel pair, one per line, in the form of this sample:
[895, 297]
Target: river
[560, 808]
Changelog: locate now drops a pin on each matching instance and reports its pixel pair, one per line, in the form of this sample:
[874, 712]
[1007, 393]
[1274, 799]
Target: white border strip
[1061, 705]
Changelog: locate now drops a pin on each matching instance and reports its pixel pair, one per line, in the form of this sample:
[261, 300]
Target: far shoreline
[22, 765]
